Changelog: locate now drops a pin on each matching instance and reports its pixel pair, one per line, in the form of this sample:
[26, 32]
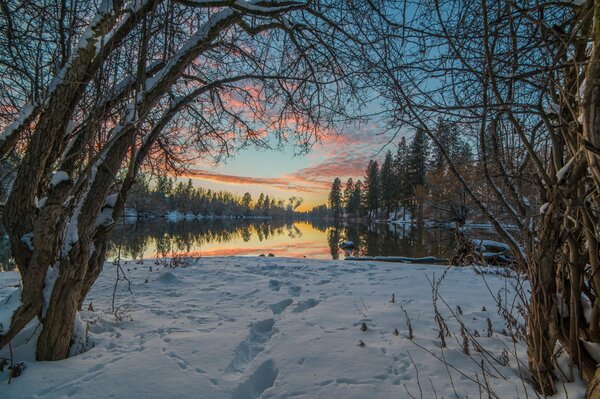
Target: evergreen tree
[446, 133]
[247, 202]
[387, 182]
[335, 199]
[463, 155]
[266, 205]
[417, 164]
[354, 202]
[372, 189]
[417, 161]
[401, 173]
[347, 193]
[261, 201]
[164, 185]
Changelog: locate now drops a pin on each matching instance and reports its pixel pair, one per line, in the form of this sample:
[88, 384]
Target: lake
[289, 238]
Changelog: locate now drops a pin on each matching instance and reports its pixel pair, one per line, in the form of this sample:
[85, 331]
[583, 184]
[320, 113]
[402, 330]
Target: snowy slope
[241, 328]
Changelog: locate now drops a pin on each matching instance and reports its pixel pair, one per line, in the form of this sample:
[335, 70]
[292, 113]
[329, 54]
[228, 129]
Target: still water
[236, 237]
[311, 239]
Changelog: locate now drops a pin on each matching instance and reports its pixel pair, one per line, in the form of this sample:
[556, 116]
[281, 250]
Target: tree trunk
[542, 318]
[55, 340]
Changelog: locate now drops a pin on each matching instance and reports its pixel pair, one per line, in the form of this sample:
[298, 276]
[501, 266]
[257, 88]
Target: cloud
[345, 155]
[281, 183]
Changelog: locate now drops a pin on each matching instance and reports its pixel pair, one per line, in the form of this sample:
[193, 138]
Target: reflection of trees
[168, 238]
[246, 234]
[370, 239]
[381, 239]
[320, 224]
[185, 236]
[294, 231]
[333, 239]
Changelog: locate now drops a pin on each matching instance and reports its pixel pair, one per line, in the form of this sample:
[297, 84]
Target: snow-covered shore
[245, 328]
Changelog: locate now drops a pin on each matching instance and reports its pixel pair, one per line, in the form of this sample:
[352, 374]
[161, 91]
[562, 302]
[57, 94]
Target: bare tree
[149, 83]
[523, 78]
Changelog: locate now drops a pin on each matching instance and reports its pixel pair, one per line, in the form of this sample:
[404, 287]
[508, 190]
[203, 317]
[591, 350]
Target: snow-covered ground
[245, 328]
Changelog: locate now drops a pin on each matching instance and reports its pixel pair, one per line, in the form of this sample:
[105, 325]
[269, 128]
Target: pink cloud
[345, 155]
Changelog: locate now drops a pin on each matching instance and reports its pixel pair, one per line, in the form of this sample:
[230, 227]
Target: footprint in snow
[279, 307]
[305, 305]
[274, 285]
[261, 379]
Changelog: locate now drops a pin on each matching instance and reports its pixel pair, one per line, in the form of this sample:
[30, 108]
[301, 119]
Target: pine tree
[348, 194]
[266, 205]
[387, 182]
[463, 155]
[401, 174]
[417, 161]
[164, 185]
[247, 202]
[446, 133]
[261, 201]
[417, 164]
[372, 190]
[354, 202]
[335, 199]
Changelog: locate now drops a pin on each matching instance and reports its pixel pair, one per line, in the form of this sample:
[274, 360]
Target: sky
[282, 174]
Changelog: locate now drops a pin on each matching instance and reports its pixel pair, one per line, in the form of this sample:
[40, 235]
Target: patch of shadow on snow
[168, 277]
[279, 307]
[305, 305]
[259, 334]
[274, 285]
[262, 379]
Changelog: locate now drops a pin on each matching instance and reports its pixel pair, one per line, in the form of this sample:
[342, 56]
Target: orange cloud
[279, 183]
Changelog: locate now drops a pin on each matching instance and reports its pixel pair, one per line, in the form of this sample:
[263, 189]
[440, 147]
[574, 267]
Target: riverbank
[282, 328]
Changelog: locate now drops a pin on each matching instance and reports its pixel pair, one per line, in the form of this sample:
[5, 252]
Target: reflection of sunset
[296, 240]
[283, 238]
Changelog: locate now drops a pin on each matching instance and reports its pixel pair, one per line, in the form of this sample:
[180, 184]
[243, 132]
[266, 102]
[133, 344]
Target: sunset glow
[282, 174]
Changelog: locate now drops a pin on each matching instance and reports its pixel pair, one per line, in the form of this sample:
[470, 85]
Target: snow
[347, 245]
[255, 327]
[8, 306]
[104, 218]
[189, 45]
[42, 202]
[58, 178]
[51, 277]
[24, 114]
[111, 200]
[544, 208]
[593, 349]
[484, 245]
[586, 306]
[80, 337]
[27, 239]
[560, 175]
[72, 232]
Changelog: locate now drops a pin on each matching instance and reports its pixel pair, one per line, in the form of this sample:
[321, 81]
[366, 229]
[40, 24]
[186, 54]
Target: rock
[347, 245]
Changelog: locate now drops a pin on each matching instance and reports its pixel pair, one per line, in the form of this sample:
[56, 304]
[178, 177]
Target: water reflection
[311, 239]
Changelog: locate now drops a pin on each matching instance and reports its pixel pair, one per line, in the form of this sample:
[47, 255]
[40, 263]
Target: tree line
[163, 194]
[414, 177]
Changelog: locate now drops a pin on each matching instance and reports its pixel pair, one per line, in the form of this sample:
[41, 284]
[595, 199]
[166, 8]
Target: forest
[149, 199]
